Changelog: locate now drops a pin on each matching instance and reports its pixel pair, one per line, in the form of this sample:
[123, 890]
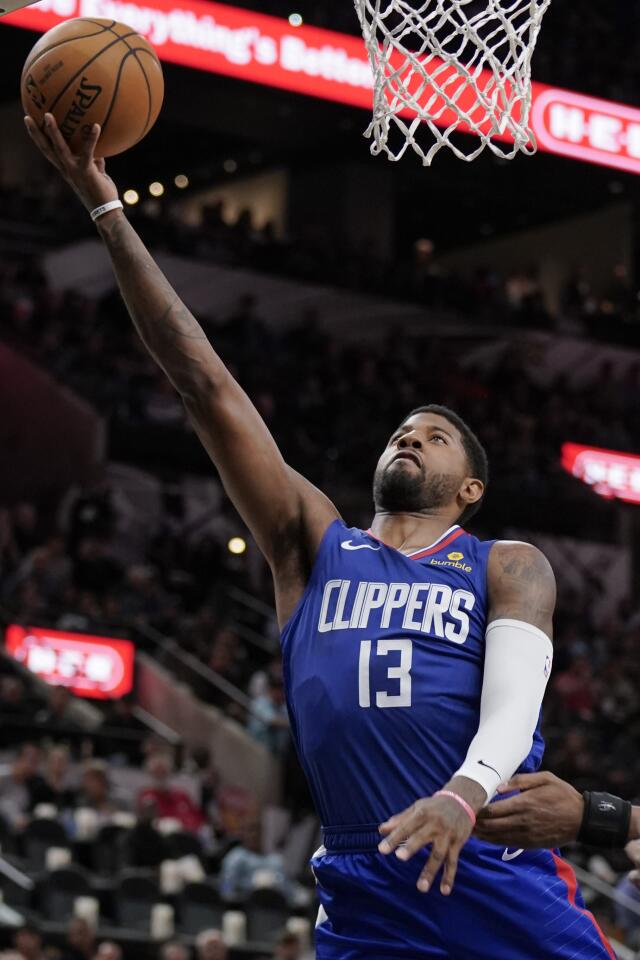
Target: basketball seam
[151, 52]
[54, 46]
[83, 67]
[115, 91]
[137, 50]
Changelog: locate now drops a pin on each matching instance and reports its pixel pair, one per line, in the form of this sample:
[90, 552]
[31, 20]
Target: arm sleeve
[517, 666]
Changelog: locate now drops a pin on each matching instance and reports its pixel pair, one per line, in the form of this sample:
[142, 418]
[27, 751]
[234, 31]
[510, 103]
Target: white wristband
[105, 208]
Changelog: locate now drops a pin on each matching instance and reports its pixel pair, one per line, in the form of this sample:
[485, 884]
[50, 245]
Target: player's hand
[547, 813]
[440, 821]
[85, 173]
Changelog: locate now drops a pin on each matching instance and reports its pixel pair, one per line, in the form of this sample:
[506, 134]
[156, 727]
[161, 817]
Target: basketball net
[447, 66]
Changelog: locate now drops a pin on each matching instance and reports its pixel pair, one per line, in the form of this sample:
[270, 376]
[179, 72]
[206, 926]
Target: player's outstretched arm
[547, 812]
[282, 510]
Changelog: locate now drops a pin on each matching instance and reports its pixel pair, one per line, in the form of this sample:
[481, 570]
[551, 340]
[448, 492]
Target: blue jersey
[383, 664]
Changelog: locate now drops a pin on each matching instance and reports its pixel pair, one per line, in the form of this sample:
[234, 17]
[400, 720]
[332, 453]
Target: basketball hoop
[447, 66]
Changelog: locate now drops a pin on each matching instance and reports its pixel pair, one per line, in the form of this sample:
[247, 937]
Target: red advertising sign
[332, 66]
[612, 475]
[228, 40]
[586, 128]
[96, 667]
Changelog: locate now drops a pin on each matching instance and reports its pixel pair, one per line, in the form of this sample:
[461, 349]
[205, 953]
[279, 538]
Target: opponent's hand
[85, 173]
[440, 821]
[547, 813]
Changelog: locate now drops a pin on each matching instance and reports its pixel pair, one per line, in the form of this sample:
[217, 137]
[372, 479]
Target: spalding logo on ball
[94, 71]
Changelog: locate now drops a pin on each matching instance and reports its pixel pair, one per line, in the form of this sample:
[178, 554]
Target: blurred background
[150, 802]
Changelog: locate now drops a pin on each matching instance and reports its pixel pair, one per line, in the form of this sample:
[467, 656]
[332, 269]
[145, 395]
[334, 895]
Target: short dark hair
[476, 454]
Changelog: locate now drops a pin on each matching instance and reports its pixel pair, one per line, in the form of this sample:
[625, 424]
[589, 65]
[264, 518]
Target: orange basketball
[87, 71]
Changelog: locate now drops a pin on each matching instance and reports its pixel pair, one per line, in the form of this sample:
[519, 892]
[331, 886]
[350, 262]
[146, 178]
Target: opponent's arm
[280, 508]
[547, 812]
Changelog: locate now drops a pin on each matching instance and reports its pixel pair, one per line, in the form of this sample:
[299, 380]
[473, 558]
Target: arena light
[181, 181]
[332, 66]
[131, 197]
[295, 20]
[156, 189]
[612, 475]
[237, 545]
[96, 667]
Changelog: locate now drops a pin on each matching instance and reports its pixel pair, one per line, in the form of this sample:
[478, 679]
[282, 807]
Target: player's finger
[524, 781]
[436, 859]
[40, 140]
[506, 808]
[418, 839]
[397, 828]
[392, 822]
[89, 145]
[398, 835]
[450, 869]
[511, 832]
[58, 143]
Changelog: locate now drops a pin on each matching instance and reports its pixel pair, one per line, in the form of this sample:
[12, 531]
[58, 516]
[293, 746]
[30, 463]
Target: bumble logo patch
[455, 561]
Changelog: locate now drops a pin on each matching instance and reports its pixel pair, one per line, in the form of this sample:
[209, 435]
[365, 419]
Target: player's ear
[471, 490]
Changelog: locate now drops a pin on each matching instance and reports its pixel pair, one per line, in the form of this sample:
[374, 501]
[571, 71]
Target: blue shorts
[524, 907]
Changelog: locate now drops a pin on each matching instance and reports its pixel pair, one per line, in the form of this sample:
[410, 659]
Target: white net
[447, 66]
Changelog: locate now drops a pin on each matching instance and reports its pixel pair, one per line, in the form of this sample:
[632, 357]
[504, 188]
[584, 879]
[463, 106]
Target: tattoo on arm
[168, 329]
[522, 585]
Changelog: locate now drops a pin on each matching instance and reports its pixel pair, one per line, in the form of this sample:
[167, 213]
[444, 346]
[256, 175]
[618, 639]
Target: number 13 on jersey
[398, 672]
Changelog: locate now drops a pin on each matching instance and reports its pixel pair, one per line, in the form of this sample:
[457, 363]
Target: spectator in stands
[57, 786]
[28, 942]
[48, 567]
[96, 792]
[108, 950]
[288, 947]
[576, 688]
[142, 598]
[268, 719]
[80, 941]
[226, 656]
[12, 697]
[144, 845]
[91, 515]
[246, 866]
[17, 784]
[59, 711]
[211, 946]
[174, 951]
[96, 568]
[259, 682]
[167, 800]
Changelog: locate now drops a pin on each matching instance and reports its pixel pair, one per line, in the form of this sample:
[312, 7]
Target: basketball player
[548, 812]
[415, 656]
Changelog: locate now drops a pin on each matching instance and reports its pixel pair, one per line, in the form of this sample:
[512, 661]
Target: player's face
[422, 467]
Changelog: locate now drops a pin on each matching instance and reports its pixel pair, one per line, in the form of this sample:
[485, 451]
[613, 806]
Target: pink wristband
[463, 803]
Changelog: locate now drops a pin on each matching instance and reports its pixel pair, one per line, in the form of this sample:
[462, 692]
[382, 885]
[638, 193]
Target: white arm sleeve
[517, 665]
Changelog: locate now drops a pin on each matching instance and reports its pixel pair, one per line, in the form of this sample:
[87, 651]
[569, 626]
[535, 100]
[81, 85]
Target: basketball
[87, 71]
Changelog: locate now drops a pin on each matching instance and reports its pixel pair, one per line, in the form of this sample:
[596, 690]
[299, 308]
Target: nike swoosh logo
[511, 856]
[489, 767]
[348, 545]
